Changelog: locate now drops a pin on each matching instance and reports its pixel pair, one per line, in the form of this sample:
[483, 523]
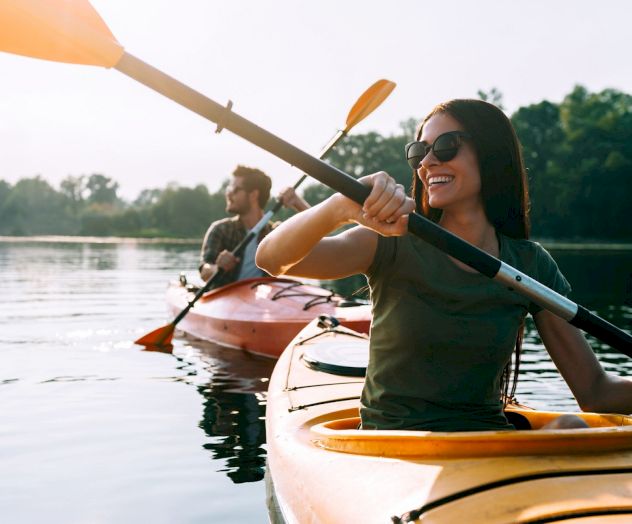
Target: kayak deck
[262, 315]
[326, 470]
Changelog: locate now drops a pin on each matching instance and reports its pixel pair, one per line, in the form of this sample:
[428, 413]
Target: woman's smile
[439, 180]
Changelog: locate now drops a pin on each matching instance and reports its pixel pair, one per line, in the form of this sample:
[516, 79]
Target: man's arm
[214, 255]
[290, 198]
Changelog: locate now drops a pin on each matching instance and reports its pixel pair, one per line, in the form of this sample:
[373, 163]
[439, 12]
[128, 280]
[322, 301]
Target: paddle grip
[603, 330]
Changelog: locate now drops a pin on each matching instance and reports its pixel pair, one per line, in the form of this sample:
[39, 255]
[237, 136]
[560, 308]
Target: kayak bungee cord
[289, 291]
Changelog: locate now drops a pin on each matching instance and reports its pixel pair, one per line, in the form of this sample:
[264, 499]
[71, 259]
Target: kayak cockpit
[606, 432]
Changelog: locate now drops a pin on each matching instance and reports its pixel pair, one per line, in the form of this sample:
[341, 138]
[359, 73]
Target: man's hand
[207, 271]
[226, 260]
[289, 198]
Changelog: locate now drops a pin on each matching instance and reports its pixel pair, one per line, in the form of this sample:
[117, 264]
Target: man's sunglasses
[233, 190]
[444, 148]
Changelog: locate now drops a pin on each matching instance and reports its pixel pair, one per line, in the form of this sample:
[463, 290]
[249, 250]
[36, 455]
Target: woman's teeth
[439, 180]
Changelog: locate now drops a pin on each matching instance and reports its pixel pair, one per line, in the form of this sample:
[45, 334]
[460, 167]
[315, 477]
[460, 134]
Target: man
[246, 196]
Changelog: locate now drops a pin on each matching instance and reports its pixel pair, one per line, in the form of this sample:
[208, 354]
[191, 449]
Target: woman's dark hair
[504, 188]
[503, 175]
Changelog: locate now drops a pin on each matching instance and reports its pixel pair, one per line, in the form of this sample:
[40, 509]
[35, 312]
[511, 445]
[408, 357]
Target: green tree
[143, 205]
[73, 189]
[97, 220]
[147, 198]
[5, 191]
[127, 223]
[598, 128]
[101, 190]
[33, 207]
[539, 129]
[579, 157]
[185, 212]
[493, 96]
[102, 206]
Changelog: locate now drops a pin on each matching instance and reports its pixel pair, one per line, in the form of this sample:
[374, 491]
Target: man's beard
[235, 209]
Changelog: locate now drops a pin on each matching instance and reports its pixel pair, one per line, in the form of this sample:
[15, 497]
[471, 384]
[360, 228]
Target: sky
[294, 68]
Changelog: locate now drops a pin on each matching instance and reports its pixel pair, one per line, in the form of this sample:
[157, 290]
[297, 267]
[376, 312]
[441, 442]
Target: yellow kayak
[321, 468]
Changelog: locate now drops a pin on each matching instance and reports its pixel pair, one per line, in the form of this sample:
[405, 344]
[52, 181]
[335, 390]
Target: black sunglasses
[445, 147]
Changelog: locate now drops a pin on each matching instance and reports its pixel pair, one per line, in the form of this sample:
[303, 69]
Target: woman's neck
[474, 228]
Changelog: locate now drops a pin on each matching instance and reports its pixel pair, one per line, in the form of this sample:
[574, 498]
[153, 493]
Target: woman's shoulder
[532, 258]
[522, 247]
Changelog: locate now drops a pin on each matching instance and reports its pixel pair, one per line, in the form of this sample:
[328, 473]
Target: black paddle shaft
[340, 181]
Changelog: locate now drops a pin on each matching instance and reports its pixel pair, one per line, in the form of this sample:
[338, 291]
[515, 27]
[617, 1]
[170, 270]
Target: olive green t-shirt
[441, 336]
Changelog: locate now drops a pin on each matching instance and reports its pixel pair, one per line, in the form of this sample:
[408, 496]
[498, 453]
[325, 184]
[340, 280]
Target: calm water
[95, 430]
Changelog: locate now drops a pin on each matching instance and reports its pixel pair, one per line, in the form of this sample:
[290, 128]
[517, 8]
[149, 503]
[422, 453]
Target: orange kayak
[323, 469]
[262, 315]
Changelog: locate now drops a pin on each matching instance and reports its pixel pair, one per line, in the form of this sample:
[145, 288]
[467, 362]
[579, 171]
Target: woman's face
[454, 184]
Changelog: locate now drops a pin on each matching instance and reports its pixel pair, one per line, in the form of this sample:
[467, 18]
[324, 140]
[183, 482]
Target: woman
[442, 334]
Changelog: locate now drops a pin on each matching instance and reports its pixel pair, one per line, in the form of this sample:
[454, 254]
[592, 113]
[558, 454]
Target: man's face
[237, 201]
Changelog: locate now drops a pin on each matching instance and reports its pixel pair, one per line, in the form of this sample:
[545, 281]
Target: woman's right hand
[387, 207]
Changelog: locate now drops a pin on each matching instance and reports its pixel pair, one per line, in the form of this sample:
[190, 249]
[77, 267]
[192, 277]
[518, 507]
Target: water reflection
[235, 423]
[233, 384]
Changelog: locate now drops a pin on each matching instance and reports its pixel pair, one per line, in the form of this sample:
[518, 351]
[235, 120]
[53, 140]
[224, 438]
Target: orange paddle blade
[59, 30]
[369, 101]
[159, 337]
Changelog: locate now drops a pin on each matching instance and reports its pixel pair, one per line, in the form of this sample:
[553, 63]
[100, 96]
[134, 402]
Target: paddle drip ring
[221, 122]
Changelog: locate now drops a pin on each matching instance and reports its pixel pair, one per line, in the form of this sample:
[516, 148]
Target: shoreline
[61, 239]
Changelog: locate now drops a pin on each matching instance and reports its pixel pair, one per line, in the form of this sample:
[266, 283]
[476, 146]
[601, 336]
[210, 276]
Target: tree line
[578, 154]
[90, 205]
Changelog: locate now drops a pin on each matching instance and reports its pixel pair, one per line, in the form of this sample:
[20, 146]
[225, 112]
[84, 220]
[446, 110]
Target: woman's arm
[300, 245]
[593, 388]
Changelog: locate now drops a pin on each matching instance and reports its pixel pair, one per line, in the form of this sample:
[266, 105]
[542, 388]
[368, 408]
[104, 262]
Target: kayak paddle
[72, 31]
[364, 106]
